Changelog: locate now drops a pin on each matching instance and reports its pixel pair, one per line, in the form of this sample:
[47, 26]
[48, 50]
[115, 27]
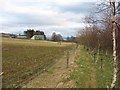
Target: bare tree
[105, 41]
[114, 45]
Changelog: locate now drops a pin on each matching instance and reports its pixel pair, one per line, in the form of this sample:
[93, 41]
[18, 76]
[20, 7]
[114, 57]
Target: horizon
[47, 37]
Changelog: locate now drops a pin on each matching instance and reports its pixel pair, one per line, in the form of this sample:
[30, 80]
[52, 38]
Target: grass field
[22, 58]
[87, 74]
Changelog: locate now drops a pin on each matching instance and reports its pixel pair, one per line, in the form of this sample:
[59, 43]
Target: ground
[56, 76]
[24, 59]
[43, 64]
[81, 73]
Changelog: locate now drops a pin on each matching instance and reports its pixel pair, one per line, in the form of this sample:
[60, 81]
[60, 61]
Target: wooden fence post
[101, 64]
[77, 45]
[94, 57]
[67, 58]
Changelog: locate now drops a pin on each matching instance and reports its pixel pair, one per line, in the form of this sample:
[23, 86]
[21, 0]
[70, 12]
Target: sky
[61, 16]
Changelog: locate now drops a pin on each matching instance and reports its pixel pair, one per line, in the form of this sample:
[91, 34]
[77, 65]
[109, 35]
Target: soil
[57, 76]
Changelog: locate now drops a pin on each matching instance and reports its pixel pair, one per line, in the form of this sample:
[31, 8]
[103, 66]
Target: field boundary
[36, 74]
[45, 69]
[57, 73]
[66, 81]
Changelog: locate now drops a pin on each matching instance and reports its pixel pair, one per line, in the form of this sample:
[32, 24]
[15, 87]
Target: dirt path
[56, 76]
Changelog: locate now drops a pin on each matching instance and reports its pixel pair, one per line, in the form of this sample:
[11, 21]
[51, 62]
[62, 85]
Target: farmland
[35, 63]
[83, 72]
[22, 58]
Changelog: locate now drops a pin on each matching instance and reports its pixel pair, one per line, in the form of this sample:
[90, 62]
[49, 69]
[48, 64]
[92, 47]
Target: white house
[38, 37]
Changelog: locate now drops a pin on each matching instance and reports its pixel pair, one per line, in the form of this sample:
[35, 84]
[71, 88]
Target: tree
[71, 39]
[114, 45]
[56, 37]
[29, 33]
[59, 37]
[38, 32]
[105, 41]
[68, 38]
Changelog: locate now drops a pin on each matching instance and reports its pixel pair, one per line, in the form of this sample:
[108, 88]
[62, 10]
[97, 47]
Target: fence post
[67, 58]
[76, 45]
[101, 65]
[94, 57]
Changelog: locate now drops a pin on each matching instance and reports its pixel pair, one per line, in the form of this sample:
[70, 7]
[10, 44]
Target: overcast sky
[60, 16]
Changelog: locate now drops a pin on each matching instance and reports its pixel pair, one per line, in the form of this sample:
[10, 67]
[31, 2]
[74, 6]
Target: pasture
[22, 58]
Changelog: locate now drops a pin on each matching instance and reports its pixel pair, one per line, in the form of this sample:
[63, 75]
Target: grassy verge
[23, 58]
[118, 80]
[87, 74]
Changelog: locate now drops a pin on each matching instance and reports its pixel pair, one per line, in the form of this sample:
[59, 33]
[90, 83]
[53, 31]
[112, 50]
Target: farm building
[5, 35]
[38, 37]
[22, 37]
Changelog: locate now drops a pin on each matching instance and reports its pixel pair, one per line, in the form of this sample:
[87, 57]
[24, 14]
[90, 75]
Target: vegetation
[89, 74]
[56, 37]
[30, 32]
[22, 59]
[96, 66]
[71, 39]
[102, 34]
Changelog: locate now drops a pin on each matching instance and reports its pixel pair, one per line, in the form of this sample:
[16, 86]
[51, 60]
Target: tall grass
[88, 74]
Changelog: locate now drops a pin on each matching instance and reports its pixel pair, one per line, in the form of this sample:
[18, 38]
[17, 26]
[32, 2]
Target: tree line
[30, 32]
[98, 33]
[54, 37]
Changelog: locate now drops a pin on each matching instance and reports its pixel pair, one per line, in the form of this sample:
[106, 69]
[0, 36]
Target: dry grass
[23, 58]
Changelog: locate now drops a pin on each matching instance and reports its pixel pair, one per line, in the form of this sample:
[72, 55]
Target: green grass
[21, 59]
[87, 74]
[118, 80]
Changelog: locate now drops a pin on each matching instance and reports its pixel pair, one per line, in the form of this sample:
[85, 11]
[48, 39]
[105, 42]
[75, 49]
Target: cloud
[63, 16]
[33, 15]
[80, 7]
